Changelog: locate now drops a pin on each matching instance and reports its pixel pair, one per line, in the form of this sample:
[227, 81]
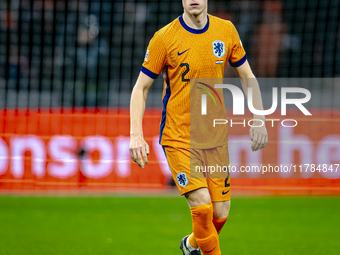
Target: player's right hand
[139, 150]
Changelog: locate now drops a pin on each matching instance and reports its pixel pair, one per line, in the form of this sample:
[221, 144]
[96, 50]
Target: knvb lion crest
[218, 48]
[182, 179]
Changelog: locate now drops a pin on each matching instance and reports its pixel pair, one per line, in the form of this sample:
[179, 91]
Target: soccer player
[195, 45]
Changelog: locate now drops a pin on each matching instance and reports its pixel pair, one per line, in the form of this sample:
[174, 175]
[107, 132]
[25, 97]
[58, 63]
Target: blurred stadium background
[67, 69]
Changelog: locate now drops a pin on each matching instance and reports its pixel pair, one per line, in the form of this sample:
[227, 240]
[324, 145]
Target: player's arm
[257, 134]
[138, 146]
[154, 61]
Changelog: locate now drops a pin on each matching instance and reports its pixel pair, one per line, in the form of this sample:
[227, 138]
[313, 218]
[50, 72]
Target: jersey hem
[188, 146]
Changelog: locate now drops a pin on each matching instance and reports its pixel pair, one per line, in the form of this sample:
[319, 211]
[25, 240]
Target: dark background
[88, 53]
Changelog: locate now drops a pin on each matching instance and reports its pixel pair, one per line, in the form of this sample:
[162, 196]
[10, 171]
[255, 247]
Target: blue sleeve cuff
[149, 73]
[238, 63]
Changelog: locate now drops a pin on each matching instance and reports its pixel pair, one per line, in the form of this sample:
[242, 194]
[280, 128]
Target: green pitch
[140, 225]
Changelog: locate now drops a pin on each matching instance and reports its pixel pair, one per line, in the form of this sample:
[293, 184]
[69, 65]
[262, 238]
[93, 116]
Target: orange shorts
[192, 169]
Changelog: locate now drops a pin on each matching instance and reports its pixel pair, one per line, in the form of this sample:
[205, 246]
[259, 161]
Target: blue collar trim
[191, 30]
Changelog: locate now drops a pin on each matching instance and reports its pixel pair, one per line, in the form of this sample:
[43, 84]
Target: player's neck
[195, 22]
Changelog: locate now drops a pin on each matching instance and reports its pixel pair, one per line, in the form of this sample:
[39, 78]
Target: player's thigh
[180, 160]
[221, 209]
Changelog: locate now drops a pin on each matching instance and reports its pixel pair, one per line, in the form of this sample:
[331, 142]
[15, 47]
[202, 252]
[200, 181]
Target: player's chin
[195, 12]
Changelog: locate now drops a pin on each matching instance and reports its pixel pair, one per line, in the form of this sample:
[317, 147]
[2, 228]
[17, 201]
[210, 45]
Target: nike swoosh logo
[210, 251]
[182, 52]
[223, 193]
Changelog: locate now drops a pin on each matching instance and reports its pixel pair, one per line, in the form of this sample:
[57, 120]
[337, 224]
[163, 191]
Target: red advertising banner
[73, 149]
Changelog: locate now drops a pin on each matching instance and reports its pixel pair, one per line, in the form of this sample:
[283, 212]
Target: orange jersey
[183, 53]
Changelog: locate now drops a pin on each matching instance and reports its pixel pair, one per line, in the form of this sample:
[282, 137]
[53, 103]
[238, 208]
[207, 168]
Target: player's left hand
[259, 136]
